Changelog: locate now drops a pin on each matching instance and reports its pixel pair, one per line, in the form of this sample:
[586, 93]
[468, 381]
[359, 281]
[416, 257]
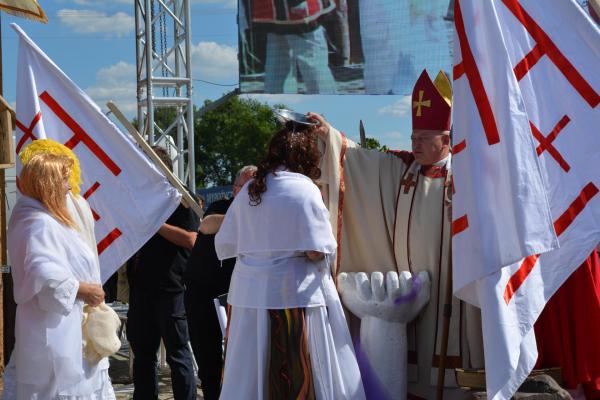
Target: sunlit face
[430, 146]
[239, 182]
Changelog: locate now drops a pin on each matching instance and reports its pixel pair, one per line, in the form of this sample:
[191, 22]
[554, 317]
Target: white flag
[129, 197]
[536, 66]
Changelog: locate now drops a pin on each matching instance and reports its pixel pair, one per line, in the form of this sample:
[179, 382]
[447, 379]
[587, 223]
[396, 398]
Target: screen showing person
[343, 46]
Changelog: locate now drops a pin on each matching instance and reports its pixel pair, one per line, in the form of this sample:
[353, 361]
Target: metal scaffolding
[164, 80]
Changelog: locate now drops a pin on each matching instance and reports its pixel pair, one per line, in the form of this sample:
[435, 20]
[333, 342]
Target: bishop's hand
[398, 299]
[323, 128]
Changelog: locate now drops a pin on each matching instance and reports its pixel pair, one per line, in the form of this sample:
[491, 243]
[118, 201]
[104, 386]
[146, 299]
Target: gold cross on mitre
[421, 103]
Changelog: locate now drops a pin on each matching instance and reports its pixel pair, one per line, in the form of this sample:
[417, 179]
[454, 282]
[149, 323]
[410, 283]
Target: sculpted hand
[91, 293]
[399, 299]
[323, 128]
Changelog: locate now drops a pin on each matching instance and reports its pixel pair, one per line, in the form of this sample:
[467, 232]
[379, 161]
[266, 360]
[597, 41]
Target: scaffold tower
[164, 80]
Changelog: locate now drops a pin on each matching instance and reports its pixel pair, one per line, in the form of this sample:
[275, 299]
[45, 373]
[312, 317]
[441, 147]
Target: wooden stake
[186, 197]
[445, 330]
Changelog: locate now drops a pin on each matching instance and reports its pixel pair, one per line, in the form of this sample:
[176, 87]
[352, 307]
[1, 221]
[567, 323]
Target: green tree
[372, 143]
[231, 136]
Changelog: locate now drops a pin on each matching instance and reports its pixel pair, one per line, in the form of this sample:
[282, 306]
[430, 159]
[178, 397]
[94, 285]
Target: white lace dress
[49, 260]
[97, 385]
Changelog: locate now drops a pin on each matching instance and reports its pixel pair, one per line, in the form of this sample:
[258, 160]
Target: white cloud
[213, 61]
[395, 140]
[117, 83]
[399, 108]
[91, 21]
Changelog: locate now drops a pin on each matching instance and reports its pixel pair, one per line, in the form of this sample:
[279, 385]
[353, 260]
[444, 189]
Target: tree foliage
[231, 136]
[372, 143]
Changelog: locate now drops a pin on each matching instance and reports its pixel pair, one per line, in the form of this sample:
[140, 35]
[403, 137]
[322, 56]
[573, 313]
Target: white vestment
[273, 273]
[390, 216]
[48, 262]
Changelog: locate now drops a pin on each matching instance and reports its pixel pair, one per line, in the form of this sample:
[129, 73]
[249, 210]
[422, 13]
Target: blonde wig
[50, 146]
[45, 178]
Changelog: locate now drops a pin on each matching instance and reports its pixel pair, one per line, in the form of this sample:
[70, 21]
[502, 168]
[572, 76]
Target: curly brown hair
[293, 147]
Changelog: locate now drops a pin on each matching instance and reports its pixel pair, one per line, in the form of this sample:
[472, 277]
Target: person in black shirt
[156, 305]
[206, 278]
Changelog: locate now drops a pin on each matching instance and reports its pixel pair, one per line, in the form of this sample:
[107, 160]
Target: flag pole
[187, 199]
[3, 252]
[445, 330]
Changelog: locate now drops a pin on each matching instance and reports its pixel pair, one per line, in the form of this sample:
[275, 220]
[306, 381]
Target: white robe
[272, 272]
[48, 262]
[386, 225]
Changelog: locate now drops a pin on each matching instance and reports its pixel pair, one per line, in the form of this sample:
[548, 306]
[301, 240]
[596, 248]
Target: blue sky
[93, 42]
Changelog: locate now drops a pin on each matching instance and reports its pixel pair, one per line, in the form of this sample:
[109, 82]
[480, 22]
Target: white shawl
[269, 241]
[290, 217]
[46, 255]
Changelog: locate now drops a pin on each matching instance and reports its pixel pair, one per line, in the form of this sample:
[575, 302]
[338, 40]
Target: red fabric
[407, 157]
[286, 11]
[568, 330]
[429, 109]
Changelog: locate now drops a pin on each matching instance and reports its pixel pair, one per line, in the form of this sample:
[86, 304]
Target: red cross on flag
[526, 210]
[129, 197]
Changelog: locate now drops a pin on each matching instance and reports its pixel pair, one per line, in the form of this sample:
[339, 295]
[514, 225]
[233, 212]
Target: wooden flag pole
[187, 199]
[445, 330]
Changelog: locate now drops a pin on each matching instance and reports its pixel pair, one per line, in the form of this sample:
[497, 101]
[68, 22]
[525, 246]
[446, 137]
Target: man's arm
[210, 225]
[322, 129]
[178, 236]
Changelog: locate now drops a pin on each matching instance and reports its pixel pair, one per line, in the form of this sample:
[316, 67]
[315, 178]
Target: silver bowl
[284, 116]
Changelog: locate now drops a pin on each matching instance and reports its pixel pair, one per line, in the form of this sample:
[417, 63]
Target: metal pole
[139, 56]
[149, 48]
[3, 252]
[177, 30]
[190, 111]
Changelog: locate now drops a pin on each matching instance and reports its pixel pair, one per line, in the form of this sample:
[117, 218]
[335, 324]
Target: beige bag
[100, 326]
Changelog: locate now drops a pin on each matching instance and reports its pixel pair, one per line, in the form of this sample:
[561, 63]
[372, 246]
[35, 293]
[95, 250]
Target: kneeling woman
[55, 271]
[287, 335]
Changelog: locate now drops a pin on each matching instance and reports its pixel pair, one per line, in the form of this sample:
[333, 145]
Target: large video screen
[342, 46]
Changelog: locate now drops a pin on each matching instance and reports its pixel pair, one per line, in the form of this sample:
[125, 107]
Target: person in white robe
[55, 272]
[391, 212]
[287, 334]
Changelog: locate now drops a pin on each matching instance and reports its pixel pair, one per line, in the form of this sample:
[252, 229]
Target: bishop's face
[430, 146]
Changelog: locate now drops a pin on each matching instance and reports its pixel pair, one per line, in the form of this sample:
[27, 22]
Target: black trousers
[205, 336]
[155, 315]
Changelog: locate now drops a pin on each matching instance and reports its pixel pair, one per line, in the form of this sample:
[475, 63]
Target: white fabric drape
[290, 217]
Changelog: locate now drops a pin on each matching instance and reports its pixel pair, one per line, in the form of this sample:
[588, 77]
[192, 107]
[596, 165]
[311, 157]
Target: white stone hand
[400, 299]
[384, 310]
